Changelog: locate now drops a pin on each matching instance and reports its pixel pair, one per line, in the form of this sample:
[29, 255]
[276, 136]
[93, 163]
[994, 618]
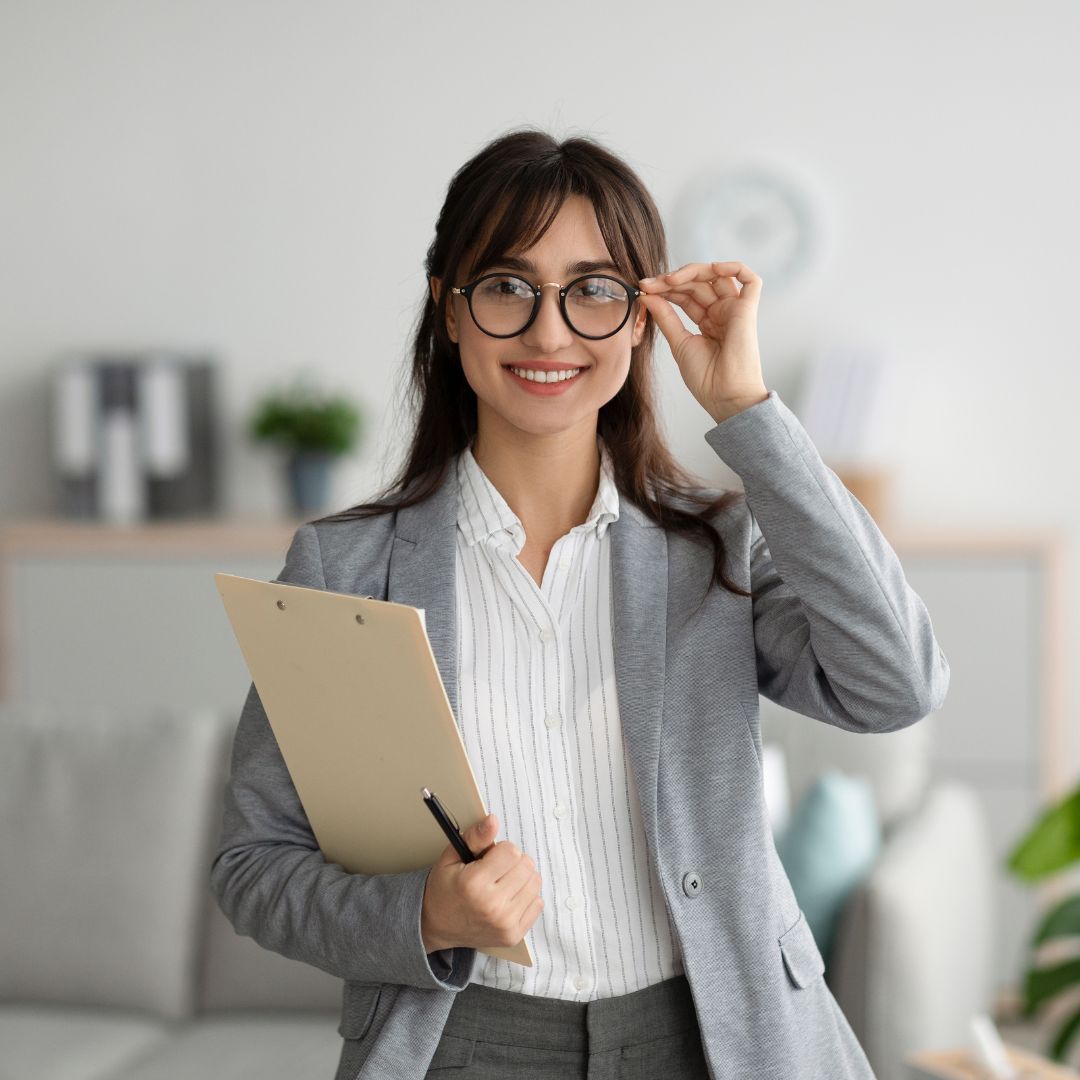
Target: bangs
[518, 218]
[522, 213]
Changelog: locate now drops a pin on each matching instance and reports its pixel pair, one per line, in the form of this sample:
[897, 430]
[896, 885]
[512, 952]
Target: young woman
[603, 625]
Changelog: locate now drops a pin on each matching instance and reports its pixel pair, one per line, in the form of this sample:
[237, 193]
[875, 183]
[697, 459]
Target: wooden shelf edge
[196, 536]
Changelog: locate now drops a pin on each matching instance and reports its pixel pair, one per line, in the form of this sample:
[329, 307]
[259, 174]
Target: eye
[598, 290]
[505, 287]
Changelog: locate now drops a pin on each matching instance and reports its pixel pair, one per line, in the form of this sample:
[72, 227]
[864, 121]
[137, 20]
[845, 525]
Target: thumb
[481, 836]
[671, 326]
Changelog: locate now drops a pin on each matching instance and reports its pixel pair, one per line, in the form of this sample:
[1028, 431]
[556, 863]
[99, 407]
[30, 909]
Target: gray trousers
[494, 1034]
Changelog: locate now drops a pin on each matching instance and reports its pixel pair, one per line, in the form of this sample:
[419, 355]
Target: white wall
[262, 179]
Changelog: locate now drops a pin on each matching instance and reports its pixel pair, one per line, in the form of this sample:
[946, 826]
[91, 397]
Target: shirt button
[546, 635]
[691, 883]
[560, 811]
[573, 903]
[581, 982]
[564, 563]
[552, 720]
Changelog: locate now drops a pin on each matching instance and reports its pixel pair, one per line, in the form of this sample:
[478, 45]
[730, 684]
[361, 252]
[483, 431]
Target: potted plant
[313, 429]
[1051, 846]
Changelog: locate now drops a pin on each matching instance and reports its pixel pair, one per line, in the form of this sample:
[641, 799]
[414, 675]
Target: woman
[603, 626]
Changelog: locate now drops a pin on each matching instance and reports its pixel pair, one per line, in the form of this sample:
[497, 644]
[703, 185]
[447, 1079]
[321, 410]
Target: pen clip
[442, 807]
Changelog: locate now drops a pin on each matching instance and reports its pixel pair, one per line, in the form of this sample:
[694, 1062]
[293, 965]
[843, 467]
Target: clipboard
[353, 694]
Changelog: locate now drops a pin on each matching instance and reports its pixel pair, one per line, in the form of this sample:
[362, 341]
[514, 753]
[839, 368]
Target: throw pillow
[828, 846]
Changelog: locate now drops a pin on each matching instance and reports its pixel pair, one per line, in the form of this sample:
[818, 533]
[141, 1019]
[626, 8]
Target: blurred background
[213, 220]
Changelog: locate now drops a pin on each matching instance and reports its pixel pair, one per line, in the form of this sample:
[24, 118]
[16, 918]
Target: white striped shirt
[540, 722]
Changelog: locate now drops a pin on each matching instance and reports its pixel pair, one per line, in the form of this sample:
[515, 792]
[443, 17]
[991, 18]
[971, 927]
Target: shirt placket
[553, 735]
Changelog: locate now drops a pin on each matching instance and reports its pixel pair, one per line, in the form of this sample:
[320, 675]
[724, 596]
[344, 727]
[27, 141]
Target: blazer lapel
[639, 594]
[423, 563]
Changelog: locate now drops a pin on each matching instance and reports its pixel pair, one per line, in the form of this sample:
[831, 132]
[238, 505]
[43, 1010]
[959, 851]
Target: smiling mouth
[545, 377]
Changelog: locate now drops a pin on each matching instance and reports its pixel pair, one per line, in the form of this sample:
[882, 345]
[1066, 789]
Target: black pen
[448, 826]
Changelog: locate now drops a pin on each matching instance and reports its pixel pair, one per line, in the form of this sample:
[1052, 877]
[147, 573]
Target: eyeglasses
[504, 305]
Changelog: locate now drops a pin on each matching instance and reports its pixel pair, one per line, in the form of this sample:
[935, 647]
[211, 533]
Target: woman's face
[505, 398]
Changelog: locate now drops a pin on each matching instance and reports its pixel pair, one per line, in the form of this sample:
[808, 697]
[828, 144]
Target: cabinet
[127, 617]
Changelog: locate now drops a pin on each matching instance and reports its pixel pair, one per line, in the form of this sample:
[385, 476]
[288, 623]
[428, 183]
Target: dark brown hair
[500, 202]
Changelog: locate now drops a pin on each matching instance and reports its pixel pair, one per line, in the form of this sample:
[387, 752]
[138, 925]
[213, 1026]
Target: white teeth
[545, 376]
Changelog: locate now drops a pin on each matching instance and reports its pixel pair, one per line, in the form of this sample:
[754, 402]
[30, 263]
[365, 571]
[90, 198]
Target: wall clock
[749, 215]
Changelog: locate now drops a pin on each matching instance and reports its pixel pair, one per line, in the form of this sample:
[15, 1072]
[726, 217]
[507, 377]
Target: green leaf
[1042, 984]
[1063, 920]
[1065, 1035]
[1052, 844]
[301, 419]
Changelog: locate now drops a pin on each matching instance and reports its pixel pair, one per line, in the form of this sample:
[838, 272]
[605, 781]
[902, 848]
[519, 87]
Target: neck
[549, 481]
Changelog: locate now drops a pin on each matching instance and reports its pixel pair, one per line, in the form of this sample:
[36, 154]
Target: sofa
[912, 958]
[116, 963]
[115, 960]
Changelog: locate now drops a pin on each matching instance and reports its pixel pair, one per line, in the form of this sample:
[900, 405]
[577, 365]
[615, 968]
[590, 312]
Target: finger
[705, 293]
[691, 272]
[478, 838]
[708, 272]
[708, 288]
[724, 288]
[516, 878]
[498, 861]
[678, 279]
[529, 888]
[670, 324]
[751, 282]
[530, 915]
[688, 304]
[664, 281]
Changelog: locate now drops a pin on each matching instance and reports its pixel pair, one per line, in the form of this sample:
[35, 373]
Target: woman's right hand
[489, 902]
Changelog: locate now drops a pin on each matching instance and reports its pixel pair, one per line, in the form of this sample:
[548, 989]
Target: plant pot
[308, 474]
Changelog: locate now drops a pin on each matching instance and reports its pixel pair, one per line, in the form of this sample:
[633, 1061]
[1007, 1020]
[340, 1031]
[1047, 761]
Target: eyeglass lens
[595, 306]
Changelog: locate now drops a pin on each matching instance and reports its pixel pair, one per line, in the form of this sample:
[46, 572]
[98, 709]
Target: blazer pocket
[802, 958]
[358, 1009]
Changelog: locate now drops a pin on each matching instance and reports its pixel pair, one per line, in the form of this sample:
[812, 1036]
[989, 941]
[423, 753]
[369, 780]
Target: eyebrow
[582, 266]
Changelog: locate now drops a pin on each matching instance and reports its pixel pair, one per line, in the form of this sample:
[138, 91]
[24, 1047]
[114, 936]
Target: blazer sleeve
[274, 884]
[839, 634]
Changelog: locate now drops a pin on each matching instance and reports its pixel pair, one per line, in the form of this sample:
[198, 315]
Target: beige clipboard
[355, 700]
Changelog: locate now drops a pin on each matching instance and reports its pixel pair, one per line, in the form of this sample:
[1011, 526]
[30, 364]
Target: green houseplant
[1051, 846]
[313, 428]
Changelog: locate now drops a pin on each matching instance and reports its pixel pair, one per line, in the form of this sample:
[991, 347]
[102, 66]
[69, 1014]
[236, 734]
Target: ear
[451, 321]
[639, 326]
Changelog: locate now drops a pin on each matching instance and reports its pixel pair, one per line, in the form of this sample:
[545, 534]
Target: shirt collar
[483, 514]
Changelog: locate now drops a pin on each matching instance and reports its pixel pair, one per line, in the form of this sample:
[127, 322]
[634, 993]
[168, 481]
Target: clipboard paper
[353, 694]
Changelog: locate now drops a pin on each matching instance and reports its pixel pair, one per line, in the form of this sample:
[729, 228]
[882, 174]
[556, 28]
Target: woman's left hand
[721, 366]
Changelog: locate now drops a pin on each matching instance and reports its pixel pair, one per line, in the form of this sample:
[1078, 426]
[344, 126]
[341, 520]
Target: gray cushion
[50, 1042]
[104, 820]
[237, 972]
[271, 1046]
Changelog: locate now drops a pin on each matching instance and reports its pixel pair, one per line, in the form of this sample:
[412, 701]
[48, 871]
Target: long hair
[501, 201]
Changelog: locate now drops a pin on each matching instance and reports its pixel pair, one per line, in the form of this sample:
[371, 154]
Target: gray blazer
[836, 633]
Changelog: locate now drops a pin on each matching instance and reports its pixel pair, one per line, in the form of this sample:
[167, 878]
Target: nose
[549, 330]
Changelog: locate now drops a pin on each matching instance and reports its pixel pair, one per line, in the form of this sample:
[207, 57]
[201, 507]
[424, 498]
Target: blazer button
[691, 883]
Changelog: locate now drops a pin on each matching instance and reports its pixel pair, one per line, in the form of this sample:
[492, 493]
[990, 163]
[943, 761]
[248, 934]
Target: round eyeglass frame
[537, 291]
